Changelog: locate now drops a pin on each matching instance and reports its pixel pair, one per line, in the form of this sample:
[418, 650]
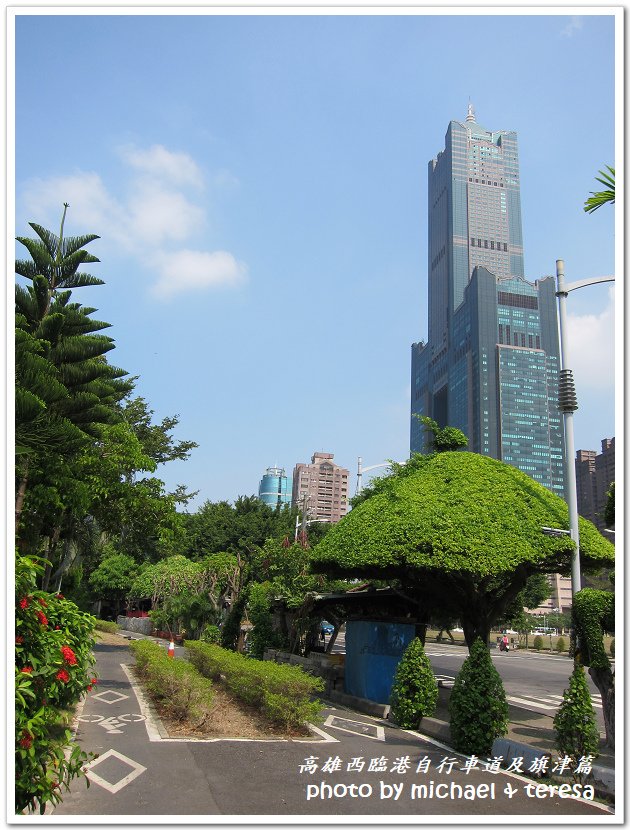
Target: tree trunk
[604, 679]
[21, 494]
[52, 547]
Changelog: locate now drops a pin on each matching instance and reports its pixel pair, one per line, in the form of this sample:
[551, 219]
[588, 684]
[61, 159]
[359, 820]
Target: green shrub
[612, 647]
[107, 626]
[561, 645]
[538, 642]
[53, 669]
[574, 723]
[211, 634]
[478, 707]
[173, 683]
[263, 634]
[281, 693]
[414, 693]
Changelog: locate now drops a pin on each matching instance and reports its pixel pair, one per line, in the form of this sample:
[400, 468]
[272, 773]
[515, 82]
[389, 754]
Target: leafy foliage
[114, 576]
[574, 723]
[477, 706]
[53, 669]
[259, 607]
[414, 692]
[602, 197]
[609, 510]
[444, 439]
[561, 645]
[594, 614]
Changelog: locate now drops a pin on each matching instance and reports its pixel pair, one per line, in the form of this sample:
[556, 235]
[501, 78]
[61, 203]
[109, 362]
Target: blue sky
[259, 185]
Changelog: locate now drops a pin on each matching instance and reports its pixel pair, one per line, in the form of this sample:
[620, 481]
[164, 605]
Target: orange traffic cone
[171, 649]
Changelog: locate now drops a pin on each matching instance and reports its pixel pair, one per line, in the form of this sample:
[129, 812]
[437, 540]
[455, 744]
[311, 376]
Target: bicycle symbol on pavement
[112, 724]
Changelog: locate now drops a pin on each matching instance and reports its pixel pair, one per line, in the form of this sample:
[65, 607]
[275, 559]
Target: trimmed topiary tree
[561, 645]
[575, 725]
[460, 533]
[478, 707]
[538, 642]
[414, 693]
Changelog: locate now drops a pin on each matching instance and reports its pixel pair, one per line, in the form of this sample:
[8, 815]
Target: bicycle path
[140, 772]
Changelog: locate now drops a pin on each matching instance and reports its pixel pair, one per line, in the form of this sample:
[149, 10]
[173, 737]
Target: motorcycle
[504, 646]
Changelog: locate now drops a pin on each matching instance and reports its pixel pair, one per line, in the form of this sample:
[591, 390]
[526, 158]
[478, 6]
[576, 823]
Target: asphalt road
[353, 765]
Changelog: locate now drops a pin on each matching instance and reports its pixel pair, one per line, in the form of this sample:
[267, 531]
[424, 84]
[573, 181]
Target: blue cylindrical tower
[275, 487]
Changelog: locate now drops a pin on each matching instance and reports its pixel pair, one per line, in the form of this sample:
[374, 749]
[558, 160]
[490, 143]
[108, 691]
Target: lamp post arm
[572, 286]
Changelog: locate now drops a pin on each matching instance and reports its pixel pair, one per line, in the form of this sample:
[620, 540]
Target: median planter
[282, 693]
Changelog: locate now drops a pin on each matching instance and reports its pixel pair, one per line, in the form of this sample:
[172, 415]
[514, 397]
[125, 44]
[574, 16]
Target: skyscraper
[491, 363]
[275, 488]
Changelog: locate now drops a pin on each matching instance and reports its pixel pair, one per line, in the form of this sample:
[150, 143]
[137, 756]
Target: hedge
[174, 684]
[281, 693]
[107, 626]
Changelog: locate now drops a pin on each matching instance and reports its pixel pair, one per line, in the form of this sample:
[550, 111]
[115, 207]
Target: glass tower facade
[491, 363]
[275, 487]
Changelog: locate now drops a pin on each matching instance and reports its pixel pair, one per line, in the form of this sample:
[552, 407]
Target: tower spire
[471, 112]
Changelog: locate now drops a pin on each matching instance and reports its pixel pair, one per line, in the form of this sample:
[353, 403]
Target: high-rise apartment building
[594, 473]
[275, 487]
[491, 363]
[321, 486]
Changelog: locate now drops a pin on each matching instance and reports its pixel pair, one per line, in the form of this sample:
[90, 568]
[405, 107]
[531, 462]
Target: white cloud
[188, 270]
[574, 25]
[157, 214]
[153, 214]
[88, 199]
[160, 163]
[592, 349]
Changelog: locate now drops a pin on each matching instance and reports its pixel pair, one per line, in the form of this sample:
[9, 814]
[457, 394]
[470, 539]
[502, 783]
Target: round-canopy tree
[461, 533]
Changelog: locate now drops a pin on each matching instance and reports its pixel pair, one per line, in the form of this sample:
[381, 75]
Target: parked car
[327, 628]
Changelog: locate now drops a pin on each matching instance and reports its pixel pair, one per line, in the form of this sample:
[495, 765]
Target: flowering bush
[53, 669]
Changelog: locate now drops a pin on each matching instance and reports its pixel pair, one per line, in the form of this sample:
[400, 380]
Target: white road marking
[379, 730]
[136, 770]
[117, 696]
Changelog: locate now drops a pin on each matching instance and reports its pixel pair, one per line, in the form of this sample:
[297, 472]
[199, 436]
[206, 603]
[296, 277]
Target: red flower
[94, 681]
[62, 675]
[57, 628]
[59, 596]
[41, 601]
[24, 603]
[68, 655]
[26, 740]
[42, 618]
[89, 688]
[19, 640]
[27, 669]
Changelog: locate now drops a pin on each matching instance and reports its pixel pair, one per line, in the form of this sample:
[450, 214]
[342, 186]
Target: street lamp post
[567, 402]
[361, 469]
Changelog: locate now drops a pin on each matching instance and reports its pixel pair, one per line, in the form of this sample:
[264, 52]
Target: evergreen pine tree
[414, 693]
[478, 706]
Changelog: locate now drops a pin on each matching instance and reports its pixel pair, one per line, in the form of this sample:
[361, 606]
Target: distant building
[561, 598]
[594, 474]
[275, 487]
[324, 486]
